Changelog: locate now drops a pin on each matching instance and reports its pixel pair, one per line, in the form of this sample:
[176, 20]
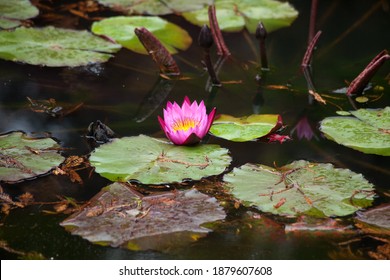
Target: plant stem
[261, 35]
[222, 49]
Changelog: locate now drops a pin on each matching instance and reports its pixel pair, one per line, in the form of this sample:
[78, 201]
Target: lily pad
[121, 29]
[368, 131]
[245, 128]
[153, 7]
[153, 161]
[302, 187]
[13, 12]
[120, 216]
[375, 221]
[51, 46]
[235, 15]
[22, 157]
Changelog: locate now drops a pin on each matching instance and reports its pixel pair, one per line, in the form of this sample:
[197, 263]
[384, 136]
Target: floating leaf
[299, 188]
[120, 216]
[51, 46]
[375, 221]
[122, 28]
[369, 132]
[153, 7]
[154, 161]
[12, 12]
[22, 157]
[244, 128]
[235, 15]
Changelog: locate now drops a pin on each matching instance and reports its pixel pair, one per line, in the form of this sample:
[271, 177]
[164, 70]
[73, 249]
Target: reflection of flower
[304, 129]
[187, 124]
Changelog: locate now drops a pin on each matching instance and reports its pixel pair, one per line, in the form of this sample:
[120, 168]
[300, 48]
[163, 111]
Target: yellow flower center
[185, 124]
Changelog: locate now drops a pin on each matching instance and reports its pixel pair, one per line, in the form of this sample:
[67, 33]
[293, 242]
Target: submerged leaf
[301, 187]
[375, 221]
[121, 29]
[368, 132]
[154, 161]
[22, 157]
[51, 46]
[244, 128]
[12, 12]
[120, 216]
[235, 15]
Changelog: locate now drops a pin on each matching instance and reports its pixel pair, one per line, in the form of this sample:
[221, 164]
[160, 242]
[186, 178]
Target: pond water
[117, 92]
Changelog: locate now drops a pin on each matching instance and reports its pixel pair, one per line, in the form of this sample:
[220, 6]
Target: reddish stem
[157, 51]
[309, 51]
[222, 49]
[361, 81]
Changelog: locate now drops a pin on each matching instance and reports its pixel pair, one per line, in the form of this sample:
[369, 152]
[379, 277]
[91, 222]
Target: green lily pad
[302, 187]
[244, 128]
[22, 157]
[235, 15]
[368, 131]
[13, 12]
[121, 29]
[120, 216]
[51, 46]
[153, 7]
[153, 161]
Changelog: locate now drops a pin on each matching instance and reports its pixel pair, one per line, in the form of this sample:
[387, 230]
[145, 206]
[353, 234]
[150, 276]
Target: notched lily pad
[302, 187]
[22, 157]
[121, 29]
[153, 161]
[153, 7]
[368, 131]
[245, 128]
[56, 47]
[120, 216]
[235, 15]
[13, 12]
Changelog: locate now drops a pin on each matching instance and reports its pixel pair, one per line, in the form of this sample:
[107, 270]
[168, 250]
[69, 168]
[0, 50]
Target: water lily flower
[188, 124]
[304, 129]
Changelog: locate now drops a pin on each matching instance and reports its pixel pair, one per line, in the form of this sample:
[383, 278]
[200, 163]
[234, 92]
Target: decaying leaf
[51, 108]
[70, 166]
[375, 221]
[120, 216]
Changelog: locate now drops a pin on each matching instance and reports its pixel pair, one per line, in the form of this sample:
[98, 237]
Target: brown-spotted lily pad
[300, 188]
[23, 157]
[120, 216]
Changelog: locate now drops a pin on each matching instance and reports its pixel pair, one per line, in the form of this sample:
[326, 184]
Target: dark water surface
[115, 91]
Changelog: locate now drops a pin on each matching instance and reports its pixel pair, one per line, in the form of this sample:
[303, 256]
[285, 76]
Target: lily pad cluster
[235, 15]
[368, 130]
[23, 157]
[153, 7]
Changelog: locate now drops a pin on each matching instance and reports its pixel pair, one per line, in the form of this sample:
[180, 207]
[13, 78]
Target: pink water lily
[188, 124]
